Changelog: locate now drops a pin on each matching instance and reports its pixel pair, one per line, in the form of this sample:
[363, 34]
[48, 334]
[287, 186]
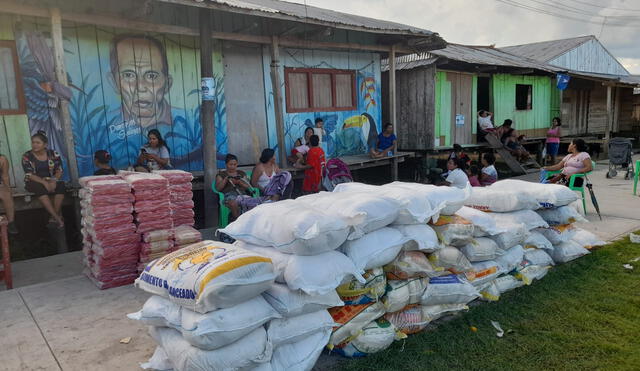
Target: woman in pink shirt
[553, 139]
[577, 161]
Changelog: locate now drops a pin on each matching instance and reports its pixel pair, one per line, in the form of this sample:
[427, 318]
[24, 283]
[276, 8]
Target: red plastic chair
[5, 268]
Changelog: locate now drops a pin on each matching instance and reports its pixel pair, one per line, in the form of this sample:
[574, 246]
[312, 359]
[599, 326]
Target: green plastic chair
[635, 177]
[572, 181]
[223, 218]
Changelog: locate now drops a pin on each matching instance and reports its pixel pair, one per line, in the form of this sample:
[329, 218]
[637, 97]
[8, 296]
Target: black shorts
[39, 190]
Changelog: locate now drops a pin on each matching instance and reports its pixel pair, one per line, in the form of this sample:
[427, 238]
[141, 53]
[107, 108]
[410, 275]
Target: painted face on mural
[142, 81]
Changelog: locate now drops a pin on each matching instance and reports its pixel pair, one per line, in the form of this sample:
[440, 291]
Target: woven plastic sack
[279, 260]
[208, 275]
[538, 257]
[515, 235]
[536, 240]
[531, 273]
[374, 249]
[587, 239]
[185, 234]
[159, 361]
[507, 283]
[568, 251]
[453, 230]
[402, 293]
[451, 259]
[529, 218]
[450, 289]
[291, 303]
[510, 259]
[211, 330]
[547, 195]
[375, 337]
[159, 235]
[294, 329]
[307, 231]
[561, 215]
[247, 352]
[365, 212]
[354, 292]
[489, 292]
[412, 264]
[482, 222]
[419, 237]
[480, 249]
[558, 234]
[351, 319]
[302, 355]
[501, 200]
[320, 274]
[483, 272]
[415, 318]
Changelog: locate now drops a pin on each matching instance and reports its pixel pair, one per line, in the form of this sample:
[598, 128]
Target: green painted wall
[474, 105]
[504, 101]
[443, 108]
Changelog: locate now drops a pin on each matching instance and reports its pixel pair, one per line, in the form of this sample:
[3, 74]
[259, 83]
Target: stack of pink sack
[151, 205]
[111, 244]
[181, 196]
[155, 244]
[185, 235]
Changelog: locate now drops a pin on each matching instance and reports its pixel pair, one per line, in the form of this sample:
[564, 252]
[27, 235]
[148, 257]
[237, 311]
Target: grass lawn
[584, 315]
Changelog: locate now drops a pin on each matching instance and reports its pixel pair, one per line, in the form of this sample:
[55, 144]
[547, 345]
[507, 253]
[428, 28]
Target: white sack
[483, 223]
[536, 240]
[507, 283]
[538, 257]
[211, 330]
[412, 264]
[483, 272]
[567, 251]
[490, 291]
[547, 195]
[419, 237]
[375, 337]
[531, 273]
[354, 292]
[303, 231]
[374, 249]
[279, 259]
[300, 356]
[561, 215]
[291, 303]
[510, 259]
[402, 293]
[320, 274]
[587, 239]
[558, 234]
[500, 200]
[208, 275]
[515, 235]
[453, 230]
[294, 329]
[450, 258]
[529, 218]
[449, 290]
[364, 211]
[247, 352]
[352, 319]
[480, 249]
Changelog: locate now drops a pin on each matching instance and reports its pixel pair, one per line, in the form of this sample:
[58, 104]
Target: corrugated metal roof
[300, 12]
[484, 55]
[547, 50]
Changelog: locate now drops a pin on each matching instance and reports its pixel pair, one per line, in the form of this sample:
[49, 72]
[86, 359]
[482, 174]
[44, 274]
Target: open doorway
[483, 103]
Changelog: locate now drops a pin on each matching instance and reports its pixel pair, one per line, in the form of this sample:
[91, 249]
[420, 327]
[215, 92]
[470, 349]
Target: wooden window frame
[516, 97]
[22, 109]
[321, 71]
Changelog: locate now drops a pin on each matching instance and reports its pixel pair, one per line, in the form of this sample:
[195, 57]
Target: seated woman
[489, 174]
[232, 183]
[101, 160]
[274, 184]
[577, 161]
[386, 144]
[43, 171]
[300, 150]
[155, 154]
[457, 177]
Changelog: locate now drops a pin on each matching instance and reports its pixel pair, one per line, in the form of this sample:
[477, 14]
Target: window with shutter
[319, 89]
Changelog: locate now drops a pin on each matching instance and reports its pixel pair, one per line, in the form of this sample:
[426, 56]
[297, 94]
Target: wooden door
[462, 117]
[245, 101]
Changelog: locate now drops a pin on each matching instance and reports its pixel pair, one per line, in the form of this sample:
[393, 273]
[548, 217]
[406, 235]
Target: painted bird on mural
[368, 88]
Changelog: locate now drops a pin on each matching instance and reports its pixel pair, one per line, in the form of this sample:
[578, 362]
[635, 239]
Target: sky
[486, 22]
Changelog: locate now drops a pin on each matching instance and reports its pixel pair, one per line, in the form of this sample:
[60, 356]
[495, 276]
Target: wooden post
[276, 84]
[392, 105]
[207, 119]
[61, 77]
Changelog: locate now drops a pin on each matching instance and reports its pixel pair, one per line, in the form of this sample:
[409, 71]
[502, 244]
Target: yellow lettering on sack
[229, 266]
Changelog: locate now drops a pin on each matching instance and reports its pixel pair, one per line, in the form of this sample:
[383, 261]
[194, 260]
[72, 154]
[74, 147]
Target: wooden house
[101, 74]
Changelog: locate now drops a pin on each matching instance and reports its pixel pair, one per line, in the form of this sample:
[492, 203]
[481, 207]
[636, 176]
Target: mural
[348, 132]
[122, 85]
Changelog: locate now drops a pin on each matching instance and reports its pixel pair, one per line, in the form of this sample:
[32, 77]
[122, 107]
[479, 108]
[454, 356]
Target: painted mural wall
[348, 132]
[121, 85]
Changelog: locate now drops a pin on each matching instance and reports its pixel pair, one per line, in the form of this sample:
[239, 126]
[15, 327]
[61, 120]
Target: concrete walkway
[68, 324]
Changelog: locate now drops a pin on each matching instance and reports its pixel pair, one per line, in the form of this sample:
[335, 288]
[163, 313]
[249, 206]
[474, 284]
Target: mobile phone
[142, 150]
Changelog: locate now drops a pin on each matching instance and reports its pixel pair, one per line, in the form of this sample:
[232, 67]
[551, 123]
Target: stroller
[620, 157]
[334, 173]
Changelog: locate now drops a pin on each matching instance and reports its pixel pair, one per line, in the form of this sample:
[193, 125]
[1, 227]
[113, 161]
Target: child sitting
[101, 160]
[315, 162]
[298, 156]
[474, 174]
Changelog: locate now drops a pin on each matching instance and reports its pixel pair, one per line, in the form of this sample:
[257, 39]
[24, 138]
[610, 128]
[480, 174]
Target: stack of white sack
[207, 312]
[180, 196]
[151, 205]
[111, 244]
[155, 244]
[303, 247]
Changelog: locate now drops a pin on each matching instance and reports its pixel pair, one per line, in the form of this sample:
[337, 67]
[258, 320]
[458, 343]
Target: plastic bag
[374, 249]
[420, 237]
[351, 319]
[291, 303]
[453, 230]
[208, 275]
[402, 293]
[449, 290]
[320, 274]
[451, 259]
[307, 231]
[480, 249]
[365, 212]
[354, 292]
[412, 264]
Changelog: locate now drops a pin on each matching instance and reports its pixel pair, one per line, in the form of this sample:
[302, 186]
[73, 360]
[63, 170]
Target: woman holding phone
[155, 154]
